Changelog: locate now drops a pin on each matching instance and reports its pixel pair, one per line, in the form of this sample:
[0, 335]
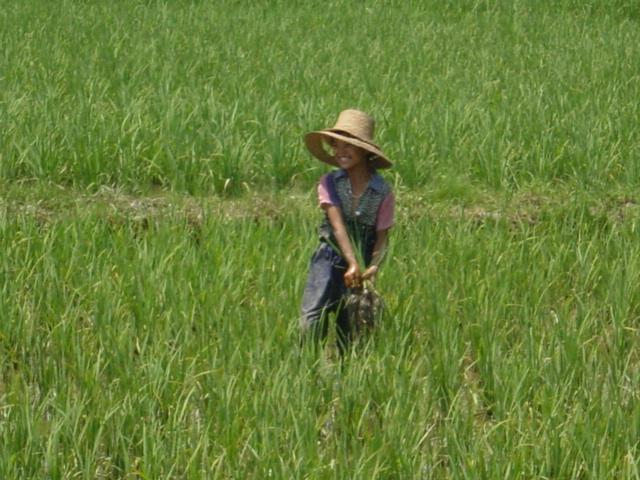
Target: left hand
[370, 273]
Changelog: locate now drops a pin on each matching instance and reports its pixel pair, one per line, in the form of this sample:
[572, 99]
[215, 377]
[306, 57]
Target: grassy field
[157, 214]
[158, 340]
[193, 96]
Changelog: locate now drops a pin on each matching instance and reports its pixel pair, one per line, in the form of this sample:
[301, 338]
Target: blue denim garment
[323, 294]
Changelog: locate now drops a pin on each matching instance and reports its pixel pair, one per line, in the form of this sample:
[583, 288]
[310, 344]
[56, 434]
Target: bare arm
[379, 250]
[352, 276]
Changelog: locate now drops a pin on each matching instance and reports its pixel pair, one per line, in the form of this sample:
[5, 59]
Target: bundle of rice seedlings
[364, 306]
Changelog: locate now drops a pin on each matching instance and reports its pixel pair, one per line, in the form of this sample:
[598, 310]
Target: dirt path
[54, 203]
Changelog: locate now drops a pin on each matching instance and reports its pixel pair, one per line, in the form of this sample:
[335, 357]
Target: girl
[359, 209]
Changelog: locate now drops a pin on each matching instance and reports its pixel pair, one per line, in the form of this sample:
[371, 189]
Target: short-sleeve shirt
[386, 211]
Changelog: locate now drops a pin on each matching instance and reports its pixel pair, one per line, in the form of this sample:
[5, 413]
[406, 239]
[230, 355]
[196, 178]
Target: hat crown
[356, 123]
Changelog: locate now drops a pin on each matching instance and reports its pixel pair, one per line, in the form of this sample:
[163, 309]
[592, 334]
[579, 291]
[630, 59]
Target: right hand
[353, 277]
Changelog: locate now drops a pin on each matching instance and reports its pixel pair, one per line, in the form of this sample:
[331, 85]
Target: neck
[359, 175]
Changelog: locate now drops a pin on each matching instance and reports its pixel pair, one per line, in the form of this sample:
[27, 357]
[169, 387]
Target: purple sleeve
[326, 191]
[324, 197]
[386, 213]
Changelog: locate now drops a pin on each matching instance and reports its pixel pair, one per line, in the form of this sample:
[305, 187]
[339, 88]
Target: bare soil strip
[524, 208]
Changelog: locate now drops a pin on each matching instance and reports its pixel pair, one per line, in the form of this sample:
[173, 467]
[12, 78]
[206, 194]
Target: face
[347, 156]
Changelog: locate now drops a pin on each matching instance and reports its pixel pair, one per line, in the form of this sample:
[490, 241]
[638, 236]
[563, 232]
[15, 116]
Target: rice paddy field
[157, 215]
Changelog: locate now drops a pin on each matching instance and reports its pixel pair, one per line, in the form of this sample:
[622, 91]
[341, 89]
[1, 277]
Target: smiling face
[347, 156]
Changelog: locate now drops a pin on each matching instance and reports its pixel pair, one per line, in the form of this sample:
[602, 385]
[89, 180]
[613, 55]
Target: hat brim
[314, 143]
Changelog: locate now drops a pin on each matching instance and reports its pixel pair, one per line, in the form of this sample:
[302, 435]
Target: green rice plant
[146, 343]
[155, 335]
[184, 96]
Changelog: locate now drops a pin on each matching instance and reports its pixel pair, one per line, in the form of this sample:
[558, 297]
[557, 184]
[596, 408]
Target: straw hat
[354, 127]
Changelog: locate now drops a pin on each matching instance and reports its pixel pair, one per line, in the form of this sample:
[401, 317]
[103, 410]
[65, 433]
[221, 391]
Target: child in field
[359, 209]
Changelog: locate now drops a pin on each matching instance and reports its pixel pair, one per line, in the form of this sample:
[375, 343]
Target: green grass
[157, 215]
[157, 346]
[202, 97]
